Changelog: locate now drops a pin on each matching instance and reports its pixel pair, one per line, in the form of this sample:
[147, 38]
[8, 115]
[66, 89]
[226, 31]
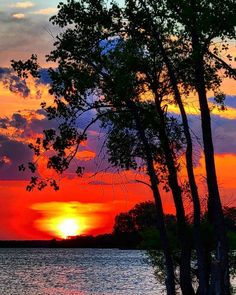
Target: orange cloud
[13, 102]
[85, 155]
[19, 15]
[24, 4]
[46, 11]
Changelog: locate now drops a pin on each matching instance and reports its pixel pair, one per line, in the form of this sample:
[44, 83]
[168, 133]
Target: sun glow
[66, 219]
[63, 226]
[68, 227]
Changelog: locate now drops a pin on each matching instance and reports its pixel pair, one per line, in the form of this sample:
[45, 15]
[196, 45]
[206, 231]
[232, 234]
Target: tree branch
[143, 182]
[225, 65]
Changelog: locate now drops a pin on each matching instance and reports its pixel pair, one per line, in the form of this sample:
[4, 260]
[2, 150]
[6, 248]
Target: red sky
[87, 204]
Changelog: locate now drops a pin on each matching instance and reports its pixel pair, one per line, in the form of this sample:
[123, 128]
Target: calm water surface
[75, 272]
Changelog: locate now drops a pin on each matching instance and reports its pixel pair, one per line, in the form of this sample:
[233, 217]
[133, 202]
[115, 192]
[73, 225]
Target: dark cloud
[13, 154]
[230, 101]
[4, 161]
[3, 138]
[18, 85]
[4, 72]
[13, 82]
[18, 121]
[13, 150]
[27, 124]
[4, 122]
[38, 125]
[224, 134]
[16, 153]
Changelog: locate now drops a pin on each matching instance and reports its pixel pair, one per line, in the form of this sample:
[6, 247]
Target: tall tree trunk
[170, 280]
[215, 210]
[203, 280]
[185, 259]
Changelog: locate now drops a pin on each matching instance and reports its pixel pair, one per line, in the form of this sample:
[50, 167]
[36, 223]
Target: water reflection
[75, 272]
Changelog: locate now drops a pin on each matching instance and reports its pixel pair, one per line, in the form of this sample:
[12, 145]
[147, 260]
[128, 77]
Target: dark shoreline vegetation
[109, 241]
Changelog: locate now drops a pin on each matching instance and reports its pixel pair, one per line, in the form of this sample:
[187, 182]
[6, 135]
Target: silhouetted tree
[203, 21]
[141, 217]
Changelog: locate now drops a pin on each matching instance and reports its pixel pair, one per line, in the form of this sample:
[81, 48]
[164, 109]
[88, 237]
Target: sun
[64, 219]
[68, 227]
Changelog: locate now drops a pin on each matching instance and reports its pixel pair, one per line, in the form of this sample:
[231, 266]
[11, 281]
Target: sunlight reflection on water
[75, 272]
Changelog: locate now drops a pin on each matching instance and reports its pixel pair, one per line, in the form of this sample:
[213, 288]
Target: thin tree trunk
[215, 210]
[170, 280]
[185, 259]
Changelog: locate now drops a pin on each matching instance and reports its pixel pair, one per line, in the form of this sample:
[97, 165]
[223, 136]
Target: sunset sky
[87, 205]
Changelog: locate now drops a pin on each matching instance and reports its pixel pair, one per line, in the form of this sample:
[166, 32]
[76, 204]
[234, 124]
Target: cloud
[30, 35]
[20, 129]
[16, 132]
[230, 101]
[230, 104]
[4, 160]
[18, 121]
[25, 125]
[46, 11]
[13, 154]
[13, 82]
[4, 123]
[4, 72]
[26, 88]
[18, 15]
[17, 85]
[224, 135]
[85, 155]
[23, 4]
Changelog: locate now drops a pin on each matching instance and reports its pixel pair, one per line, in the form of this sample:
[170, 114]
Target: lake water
[75, 272]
